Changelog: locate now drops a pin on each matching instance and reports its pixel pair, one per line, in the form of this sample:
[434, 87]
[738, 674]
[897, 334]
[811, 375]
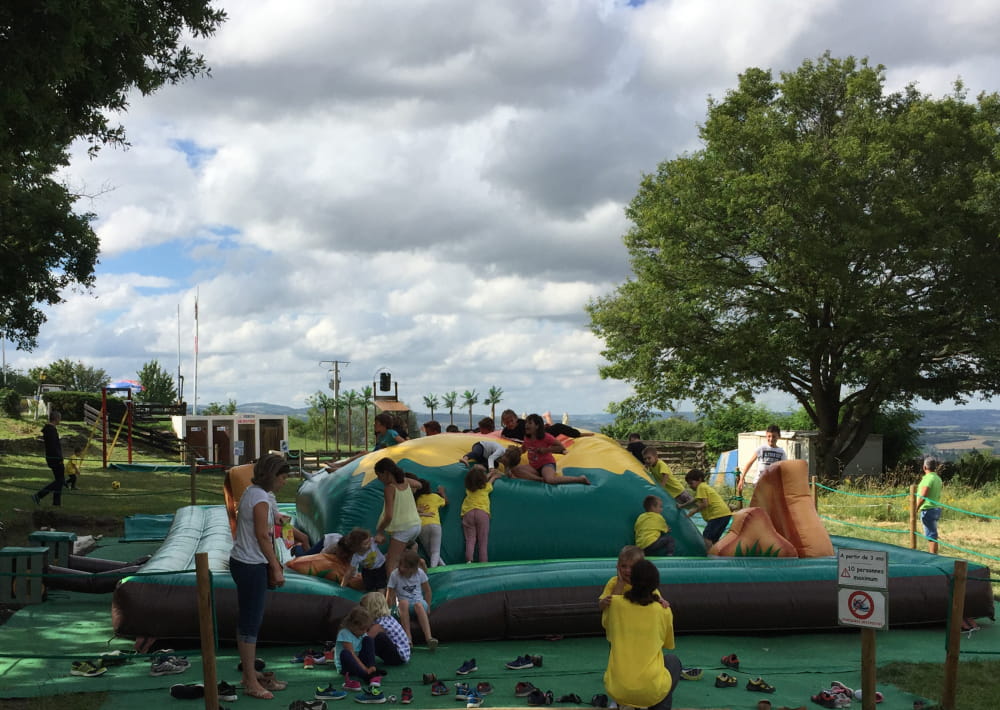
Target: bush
[975, 469]
[70, 404]
[10, 403]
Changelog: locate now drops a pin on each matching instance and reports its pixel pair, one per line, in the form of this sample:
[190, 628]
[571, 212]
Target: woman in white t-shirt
[255, 567]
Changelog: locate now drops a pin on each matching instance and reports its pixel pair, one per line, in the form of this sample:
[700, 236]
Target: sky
[434, 188]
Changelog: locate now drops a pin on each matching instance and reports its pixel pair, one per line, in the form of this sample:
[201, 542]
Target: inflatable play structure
[552, 548]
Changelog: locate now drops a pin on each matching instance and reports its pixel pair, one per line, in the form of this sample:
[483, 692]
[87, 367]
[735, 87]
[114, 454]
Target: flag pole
[195, 408]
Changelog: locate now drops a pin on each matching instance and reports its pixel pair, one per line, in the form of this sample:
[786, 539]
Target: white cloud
[437, 187]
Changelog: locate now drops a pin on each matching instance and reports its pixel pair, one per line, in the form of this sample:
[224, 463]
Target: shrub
[975, 469]
[10, 403]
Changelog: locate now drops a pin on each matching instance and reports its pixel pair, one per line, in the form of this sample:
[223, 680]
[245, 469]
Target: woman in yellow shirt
[639, 628]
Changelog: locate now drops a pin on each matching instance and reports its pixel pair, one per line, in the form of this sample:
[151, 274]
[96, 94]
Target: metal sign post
[863, 601]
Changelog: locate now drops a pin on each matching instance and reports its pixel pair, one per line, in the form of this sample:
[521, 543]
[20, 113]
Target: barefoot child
[429, 506]
[476, 511]
[411, 591]
[540, 447]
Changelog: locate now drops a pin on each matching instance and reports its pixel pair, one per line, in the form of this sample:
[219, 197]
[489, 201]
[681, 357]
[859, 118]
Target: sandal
[724, 680]
[269, 682]
[262, 694]
[760, 686]
[731, 661]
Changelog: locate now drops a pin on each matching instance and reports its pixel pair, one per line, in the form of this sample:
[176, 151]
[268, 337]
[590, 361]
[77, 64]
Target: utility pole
[335, 386]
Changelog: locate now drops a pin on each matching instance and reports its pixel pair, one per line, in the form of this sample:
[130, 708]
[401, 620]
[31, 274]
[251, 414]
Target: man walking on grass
[54, 459]
[928, 497]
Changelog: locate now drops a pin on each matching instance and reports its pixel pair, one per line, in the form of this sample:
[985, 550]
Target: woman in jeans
[255, 567]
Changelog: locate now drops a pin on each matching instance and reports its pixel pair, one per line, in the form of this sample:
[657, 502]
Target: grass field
[970, 530]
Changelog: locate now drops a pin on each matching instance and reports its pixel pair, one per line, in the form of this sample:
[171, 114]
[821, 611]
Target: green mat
[40, 642]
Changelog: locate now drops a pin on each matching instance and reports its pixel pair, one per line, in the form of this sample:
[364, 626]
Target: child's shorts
[413, 608]
[406, 535]
[714, 528]
[375, 579]
[930, 517]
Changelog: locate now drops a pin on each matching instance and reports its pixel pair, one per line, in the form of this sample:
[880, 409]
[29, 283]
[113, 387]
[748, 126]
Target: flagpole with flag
[195, 408]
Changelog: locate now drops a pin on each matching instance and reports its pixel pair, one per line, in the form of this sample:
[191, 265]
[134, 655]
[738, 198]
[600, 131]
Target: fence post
[207, 628]
[913, 517]
[950, 687]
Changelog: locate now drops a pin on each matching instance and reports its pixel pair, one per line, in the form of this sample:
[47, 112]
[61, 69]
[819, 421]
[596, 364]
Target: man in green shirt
[928, 497]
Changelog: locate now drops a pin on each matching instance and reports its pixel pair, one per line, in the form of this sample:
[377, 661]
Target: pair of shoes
[87, 669]
[467, 667]
[838, 687]
[599, 701]
[484, 688]
[473, 700]
[167, 655]
[316, 657]
[113, 658]
[731, 661]
[691, 673]
[520, 663]
[168, 666]
[307, 705]
[571, 698]
[407, 696]
[351, 684]
[827, 699]
[329, 693]
[227, 692]
[523, 689]
[724, 680]
[188, 691]
[375, 680]
[439, 688]
[258, 665]
[429, 678]
[537, 697]
[759, 685]
[462, 691]
[370, 696]
[432, 644]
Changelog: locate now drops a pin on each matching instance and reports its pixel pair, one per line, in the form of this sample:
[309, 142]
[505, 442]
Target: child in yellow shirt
[652, 533]
[73, 468]
[660, 472]
[714, 510]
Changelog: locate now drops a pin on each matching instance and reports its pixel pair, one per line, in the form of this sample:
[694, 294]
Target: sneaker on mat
[439, 688]
[351, 683]
[113, 658]
[523, 689]
[536, 661]
[467, 667]
[370, 696]
[227, 692]
[87, 669]
[407, 696]
[691, 673]
[375, 680]
[484, 688]
[461, 691]
[187, 691]
[329, 693]
[473, 699]
[520, 663]
[166, 667]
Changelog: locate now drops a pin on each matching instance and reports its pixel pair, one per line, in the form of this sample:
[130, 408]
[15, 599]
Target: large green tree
[74, 376]
[68, 68]
[830, 240]
[158, 385]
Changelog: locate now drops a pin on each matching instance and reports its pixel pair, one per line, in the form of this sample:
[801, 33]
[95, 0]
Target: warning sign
[862, 607]
[863, 568]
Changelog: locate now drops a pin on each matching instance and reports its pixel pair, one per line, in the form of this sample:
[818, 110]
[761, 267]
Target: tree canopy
[157, 385]
[74, 376]
[68, 67]
[830, 240]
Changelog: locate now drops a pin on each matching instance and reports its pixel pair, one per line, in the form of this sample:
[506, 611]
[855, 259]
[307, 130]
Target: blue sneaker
[370, 695]
[330, 693]
[520, 663]
[467, 667]
[462, 691]
[473, 699]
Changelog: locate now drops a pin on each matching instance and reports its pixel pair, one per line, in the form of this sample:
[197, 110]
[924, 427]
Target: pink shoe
[351, 684]
[376, 681]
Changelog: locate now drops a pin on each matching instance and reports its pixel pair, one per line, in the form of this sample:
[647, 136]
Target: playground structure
[114, 424]
[552, 549]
